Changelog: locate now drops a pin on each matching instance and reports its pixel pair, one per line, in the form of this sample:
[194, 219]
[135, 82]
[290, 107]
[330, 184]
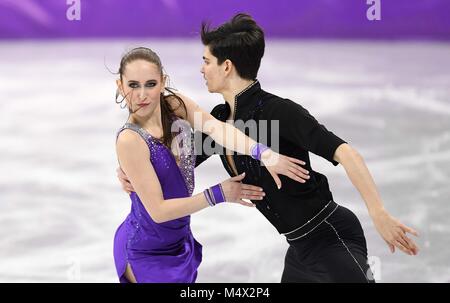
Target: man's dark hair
[240, 40]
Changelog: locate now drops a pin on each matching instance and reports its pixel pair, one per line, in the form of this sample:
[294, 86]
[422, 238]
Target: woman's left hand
[394, 233]
[278, 164]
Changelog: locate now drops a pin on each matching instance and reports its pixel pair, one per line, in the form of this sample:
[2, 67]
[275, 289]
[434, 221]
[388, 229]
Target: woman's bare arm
[233, 139]
[133, 155]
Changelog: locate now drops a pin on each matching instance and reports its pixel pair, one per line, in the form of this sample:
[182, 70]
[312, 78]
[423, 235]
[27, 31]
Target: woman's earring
[121, 102]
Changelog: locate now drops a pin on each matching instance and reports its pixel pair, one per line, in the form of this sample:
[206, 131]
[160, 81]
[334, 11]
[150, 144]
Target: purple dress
[160, 252]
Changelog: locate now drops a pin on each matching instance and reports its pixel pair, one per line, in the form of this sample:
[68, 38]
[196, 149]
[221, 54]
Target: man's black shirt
[295, 203]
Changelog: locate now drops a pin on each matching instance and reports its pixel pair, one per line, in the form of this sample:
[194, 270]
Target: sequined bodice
[162, 157]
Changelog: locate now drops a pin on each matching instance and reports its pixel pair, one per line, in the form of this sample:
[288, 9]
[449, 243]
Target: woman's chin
[144, 112]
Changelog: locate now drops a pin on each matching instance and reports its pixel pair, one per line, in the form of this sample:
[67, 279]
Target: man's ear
[228, 66]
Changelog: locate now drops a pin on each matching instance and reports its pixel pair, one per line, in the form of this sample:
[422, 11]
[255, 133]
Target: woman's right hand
[279, 164]
[234, 191]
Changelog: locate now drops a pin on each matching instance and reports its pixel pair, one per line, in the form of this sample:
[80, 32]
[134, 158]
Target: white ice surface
[60, 202]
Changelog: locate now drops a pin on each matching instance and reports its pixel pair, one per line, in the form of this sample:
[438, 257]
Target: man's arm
[391, 229]
[359, 175]
[299, 127]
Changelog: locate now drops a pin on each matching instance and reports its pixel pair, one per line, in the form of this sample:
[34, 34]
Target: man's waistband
[312, 223]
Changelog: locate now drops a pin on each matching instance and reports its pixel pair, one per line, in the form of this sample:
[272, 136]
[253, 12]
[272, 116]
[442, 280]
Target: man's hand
[394, 233]
[126, 185]
[391, 229]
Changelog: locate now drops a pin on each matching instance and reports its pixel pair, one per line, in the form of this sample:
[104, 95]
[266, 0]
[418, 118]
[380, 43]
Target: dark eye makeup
[135, 84]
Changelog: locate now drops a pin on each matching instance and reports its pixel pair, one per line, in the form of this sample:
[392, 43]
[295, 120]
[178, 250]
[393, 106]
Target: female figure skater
[155, 150]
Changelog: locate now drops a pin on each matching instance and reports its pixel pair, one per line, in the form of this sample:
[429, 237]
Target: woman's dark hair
[167, 111]
[240, 40]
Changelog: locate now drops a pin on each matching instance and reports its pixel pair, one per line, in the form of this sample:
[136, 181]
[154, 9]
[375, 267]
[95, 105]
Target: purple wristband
[257, 150]
[208, 197]
[211, 196]
[218, 193]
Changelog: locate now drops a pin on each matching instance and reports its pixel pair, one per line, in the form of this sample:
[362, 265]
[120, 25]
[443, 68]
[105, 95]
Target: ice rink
[60, 201]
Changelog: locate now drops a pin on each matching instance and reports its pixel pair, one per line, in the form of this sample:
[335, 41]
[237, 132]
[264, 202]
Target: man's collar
[249, 90]
[242, 101]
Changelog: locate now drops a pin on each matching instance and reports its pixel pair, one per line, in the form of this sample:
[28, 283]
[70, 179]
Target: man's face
[213, 73]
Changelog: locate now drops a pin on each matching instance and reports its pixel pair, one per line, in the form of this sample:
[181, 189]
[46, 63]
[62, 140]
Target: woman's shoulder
[128, 137]
[130, 146]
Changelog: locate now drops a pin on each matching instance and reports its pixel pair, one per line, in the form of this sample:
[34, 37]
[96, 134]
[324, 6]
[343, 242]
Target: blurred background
[374, 72]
